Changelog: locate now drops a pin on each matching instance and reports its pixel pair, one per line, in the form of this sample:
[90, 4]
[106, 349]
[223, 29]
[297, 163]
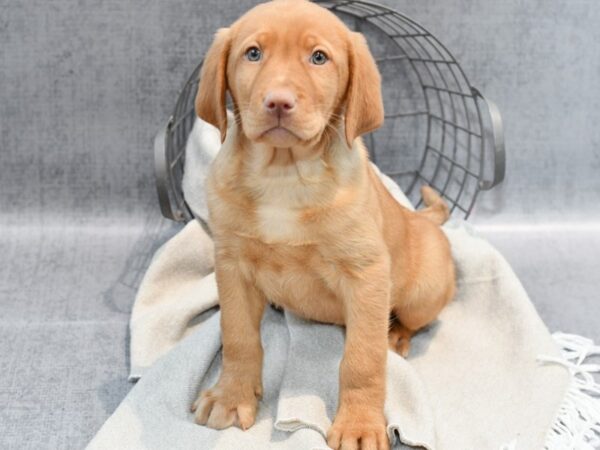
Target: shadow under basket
[438, 129]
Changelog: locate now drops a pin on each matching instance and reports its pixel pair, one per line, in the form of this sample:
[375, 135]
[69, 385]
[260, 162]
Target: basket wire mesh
[438, 129]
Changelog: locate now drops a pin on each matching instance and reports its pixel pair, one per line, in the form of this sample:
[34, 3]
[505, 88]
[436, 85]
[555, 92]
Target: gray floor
[560, 269]
[67, 294]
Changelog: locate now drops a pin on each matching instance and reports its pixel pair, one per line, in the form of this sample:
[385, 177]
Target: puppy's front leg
[359, 422]
[233, 400]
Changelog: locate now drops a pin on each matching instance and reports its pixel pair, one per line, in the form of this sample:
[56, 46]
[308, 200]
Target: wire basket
[438, 129]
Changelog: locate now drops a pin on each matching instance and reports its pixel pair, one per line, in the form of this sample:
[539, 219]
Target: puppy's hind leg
[417, 313]
[399, 337]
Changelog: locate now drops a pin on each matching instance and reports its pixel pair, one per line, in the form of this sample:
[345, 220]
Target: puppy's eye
[253, 54]
[318, 58]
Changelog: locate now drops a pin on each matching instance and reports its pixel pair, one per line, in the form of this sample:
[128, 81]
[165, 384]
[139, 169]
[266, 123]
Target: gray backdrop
[84, 86]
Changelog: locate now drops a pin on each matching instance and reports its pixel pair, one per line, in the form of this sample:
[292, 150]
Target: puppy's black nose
[279, 102]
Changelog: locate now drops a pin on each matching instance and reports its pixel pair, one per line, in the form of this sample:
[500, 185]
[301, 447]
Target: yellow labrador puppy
[300, 219]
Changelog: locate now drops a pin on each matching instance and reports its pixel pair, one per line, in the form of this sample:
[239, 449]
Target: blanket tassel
[577, 425]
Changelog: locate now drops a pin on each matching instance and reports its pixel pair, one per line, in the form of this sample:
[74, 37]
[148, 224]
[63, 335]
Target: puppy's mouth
[279, 132]
[283, 132]
[280, 136]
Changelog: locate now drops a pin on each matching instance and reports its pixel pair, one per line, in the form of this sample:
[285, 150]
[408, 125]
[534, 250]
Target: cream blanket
[474, 379]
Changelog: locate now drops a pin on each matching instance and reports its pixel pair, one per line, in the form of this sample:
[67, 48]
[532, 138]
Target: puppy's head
[293, 69]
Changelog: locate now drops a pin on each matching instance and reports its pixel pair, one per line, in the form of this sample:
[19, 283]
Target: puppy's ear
[210, 100]
[364, 105]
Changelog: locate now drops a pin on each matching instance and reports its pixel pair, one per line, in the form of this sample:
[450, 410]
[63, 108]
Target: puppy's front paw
[228, 403]
[356, 428]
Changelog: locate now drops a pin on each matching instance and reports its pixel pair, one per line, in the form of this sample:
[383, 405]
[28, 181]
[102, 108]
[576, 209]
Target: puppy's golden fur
[300, 218]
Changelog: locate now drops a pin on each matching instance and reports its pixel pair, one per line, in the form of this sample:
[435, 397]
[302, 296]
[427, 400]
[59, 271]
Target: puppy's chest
[285, 194]
[293, 277]
[279, 223]
[280, 214]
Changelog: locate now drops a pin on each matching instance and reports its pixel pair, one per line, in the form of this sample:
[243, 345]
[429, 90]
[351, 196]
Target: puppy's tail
[436, 209]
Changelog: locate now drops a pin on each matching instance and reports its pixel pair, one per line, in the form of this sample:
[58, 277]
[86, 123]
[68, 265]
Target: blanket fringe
[577, 424]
